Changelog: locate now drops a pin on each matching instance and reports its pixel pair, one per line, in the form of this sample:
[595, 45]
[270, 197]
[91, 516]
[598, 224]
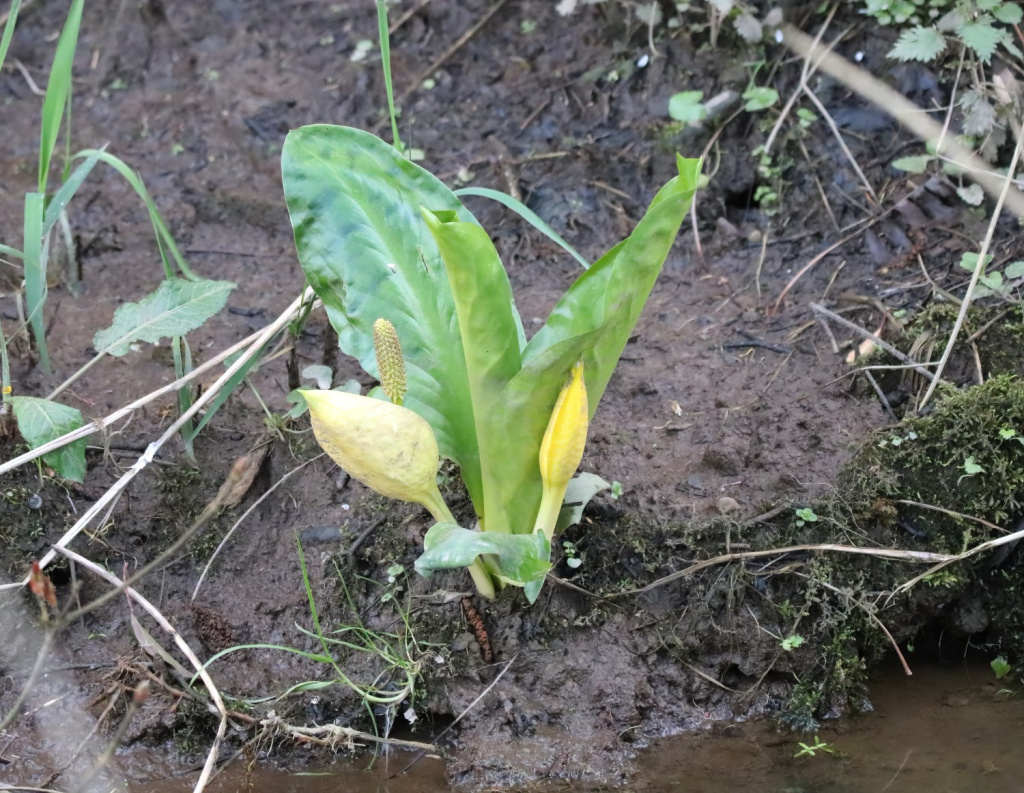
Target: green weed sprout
[380, 238]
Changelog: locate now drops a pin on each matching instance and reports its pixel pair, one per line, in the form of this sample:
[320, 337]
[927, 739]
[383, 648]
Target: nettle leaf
[175, 308]
[918, 44]
[41, 421]
[1008, 13]
[979, 114]
[917, 163]
[981, 37]
[520, 558]
[686, 107]
[366, 250]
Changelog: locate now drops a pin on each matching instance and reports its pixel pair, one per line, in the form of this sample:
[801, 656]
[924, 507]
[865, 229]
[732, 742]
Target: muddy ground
[727, 405]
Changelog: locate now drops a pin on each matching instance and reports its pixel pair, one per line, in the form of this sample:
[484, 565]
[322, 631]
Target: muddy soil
[725, 403]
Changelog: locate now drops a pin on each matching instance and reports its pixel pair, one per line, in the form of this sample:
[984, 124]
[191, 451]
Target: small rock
[695, 482]
[727, 505]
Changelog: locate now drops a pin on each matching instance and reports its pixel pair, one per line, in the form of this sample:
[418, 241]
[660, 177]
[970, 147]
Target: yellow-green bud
[386, 447]
[389, 360]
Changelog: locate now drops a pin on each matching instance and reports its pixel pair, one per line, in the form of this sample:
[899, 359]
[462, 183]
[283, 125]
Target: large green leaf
[175, 308]
[593, 321]
[367, 252]
[491, 331]
[520, 558]
[41, 421]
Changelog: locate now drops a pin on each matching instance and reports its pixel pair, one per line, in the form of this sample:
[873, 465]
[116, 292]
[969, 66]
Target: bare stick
[155, 613]
[818, 309]
[905, 112]
[881, 396]
[885, 553]
[245, 514]
[978, 270]
[113, 418]
[842, 143]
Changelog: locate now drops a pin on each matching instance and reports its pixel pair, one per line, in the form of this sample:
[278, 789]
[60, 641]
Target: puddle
[944, 729]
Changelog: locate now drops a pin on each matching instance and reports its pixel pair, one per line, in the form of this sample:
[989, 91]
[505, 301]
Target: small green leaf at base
[41, 421]
[581, 491]
[521, 558]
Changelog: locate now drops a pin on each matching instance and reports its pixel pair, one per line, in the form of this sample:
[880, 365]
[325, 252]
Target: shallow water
[943, 730]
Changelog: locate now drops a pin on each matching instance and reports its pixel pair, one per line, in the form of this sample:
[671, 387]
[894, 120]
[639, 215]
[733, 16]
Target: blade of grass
[526, 214]
[183, 367]
[35, 273]
[12, 18]
[7, 250]
[385, 56]
[67, 191]
[165, 242]
[58, 90]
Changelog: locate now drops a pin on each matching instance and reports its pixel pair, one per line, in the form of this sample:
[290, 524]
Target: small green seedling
[817, 746]
[790, 643]
[1001, 667]
[571, 558]
[970, 468]
[616, 490]
[805, 515]
[1010, 434]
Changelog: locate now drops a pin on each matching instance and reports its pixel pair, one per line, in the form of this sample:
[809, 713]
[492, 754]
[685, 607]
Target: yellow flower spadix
[561, 450]
[387, 447]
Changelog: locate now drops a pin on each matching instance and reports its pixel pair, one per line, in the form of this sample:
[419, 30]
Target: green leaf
[67, 191]
[526, 214]
[1008, 13]
[41, 421]
[174, 309]
[1014, 270]
[917, 163]
[969, 261]
[686, 106]
[592, 321]
[12, 20]
[7, 250]
[58, 89]
[520, 558]
[367, 252]
[980, 36]
[1000, 666]
[759, 98]
[918, 44]
[581, 491]
[35, 272]
[491, 332]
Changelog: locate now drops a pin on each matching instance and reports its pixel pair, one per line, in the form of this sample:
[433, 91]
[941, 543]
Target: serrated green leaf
[366, 250]
[917, 163]
[174, 309]
[969, 261]
[1014, 270]
[981, 37]
[1008, 13]
[520, 558]
[41, 421]
[686, 107]
[759, 98]
[918, 44]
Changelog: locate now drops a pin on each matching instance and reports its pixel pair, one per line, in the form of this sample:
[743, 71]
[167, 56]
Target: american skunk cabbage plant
[419, 296]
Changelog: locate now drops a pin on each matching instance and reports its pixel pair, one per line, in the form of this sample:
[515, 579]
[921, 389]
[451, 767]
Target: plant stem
[547, 515]
[435, 505]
